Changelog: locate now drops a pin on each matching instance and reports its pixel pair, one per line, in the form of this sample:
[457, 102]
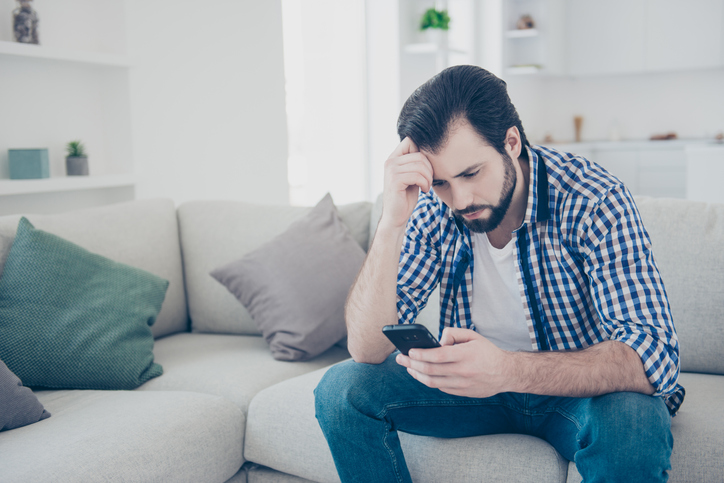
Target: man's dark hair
[457, 93]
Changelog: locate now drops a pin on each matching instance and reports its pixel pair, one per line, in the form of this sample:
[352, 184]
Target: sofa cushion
[262, 474]
[70, 318]
[282, 433]
[143, 234]
[698, 430]
[126, 436]
[214, 233]
[233, 366]
[687, 239]
[18, 405]
[295, 285]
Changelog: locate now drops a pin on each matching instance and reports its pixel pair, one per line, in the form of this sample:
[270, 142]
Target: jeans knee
[326, 394]
[627, 433]
[628, 418]
[351, 387]
[338, 390]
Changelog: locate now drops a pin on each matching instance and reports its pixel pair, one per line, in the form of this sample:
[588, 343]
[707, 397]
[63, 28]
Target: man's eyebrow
[467, 170]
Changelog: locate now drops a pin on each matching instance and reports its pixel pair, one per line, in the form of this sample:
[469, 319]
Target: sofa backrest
[214, 233]
[143, 234]
[688, 244]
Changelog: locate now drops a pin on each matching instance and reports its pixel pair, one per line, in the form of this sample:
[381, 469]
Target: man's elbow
[365, 355]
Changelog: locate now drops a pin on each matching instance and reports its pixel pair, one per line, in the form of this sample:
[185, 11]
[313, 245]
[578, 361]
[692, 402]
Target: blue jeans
[616, 437]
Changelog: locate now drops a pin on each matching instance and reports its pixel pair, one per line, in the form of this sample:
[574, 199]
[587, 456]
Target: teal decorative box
[28, 163]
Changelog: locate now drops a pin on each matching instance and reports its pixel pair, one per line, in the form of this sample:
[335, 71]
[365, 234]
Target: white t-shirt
[497, 308]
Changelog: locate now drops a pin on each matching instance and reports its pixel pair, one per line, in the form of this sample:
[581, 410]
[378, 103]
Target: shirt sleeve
[419, 266]
[627, 288]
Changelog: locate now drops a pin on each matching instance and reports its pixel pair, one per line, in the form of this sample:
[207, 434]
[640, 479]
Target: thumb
[454, 335]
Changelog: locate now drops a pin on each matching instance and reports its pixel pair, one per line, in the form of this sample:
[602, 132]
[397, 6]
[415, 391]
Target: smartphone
[410, 336]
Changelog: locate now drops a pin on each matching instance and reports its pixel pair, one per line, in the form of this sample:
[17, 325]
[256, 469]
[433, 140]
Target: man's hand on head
[467, 364]
[407, 171]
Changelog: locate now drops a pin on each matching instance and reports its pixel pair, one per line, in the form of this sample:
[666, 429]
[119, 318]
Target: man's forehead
[459, 131]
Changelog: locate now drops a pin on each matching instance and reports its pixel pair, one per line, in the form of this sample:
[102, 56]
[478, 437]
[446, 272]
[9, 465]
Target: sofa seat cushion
[126, 436]
[233, 366]
[262, 474]
[282, 433]
[698, 431]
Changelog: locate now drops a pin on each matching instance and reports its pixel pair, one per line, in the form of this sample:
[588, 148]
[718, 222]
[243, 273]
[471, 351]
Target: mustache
[472, 209]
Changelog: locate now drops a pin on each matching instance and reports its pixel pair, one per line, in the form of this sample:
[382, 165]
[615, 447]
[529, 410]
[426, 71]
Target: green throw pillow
[72, 319]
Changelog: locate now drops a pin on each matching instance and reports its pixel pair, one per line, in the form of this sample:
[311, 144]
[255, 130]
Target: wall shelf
[521, 33]
[523, 69]
[430, 48]
[42, 52]
[11, 187]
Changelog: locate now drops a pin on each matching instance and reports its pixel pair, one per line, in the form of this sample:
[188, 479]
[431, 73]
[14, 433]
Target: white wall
[207, 99]
[688, 103]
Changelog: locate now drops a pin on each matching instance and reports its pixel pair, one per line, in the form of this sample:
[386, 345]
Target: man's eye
[437, 184]
[470, 175]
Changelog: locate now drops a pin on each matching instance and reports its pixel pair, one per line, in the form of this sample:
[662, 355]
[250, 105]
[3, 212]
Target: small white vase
[437, 37]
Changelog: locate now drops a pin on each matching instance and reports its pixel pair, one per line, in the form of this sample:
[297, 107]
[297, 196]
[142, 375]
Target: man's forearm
[610, 366]
[372, 302]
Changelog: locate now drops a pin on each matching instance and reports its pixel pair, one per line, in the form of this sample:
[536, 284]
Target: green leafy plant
[75, 149]
[435, 19]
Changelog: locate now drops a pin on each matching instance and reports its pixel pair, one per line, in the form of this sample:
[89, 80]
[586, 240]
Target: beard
[497, 212]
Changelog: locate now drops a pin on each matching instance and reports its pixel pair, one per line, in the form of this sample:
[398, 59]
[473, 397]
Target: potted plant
[76, 163]
[434, 22]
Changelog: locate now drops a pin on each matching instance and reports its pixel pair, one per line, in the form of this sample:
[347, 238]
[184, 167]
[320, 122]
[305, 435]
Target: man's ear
[513, 144]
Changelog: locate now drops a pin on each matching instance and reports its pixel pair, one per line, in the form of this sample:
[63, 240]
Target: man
[556, 321]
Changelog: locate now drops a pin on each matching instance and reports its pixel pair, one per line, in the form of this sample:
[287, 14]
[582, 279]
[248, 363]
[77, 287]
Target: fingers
[406, 146]
[412, 169]
[454, 335]
[409, 176]
[421, 367]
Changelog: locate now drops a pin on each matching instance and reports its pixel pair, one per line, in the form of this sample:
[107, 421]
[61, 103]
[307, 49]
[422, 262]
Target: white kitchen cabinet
[621, 163]
[649, 168]
[606, 37]
[705, 173]
[635, 36]
[662, 173]
[684, 35]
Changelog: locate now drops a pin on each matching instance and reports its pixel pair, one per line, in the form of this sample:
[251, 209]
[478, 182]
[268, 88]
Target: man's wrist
[513, 364]
[387, 233]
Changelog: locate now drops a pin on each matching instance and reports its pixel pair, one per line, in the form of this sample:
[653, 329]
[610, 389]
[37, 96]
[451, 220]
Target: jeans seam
[439, 403]
[391, 452]
[567, 416]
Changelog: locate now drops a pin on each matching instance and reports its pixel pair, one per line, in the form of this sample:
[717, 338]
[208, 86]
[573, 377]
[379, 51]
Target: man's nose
[462, 198]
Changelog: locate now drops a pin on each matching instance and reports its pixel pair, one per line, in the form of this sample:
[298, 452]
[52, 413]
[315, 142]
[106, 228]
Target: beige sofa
[225, 410]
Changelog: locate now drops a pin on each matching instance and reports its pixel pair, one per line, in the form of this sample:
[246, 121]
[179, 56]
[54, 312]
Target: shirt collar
[538, 208]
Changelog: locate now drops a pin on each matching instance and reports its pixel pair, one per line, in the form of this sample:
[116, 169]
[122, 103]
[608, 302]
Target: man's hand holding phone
[465, 364]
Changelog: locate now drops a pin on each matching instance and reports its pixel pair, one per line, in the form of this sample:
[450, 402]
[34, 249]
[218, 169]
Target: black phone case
[410, 336]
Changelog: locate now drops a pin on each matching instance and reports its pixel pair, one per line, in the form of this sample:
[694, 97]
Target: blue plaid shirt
[585, 270]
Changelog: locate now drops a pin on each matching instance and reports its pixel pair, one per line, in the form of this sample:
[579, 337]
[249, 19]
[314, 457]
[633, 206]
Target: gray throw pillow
[295, 286]
[18, 405]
